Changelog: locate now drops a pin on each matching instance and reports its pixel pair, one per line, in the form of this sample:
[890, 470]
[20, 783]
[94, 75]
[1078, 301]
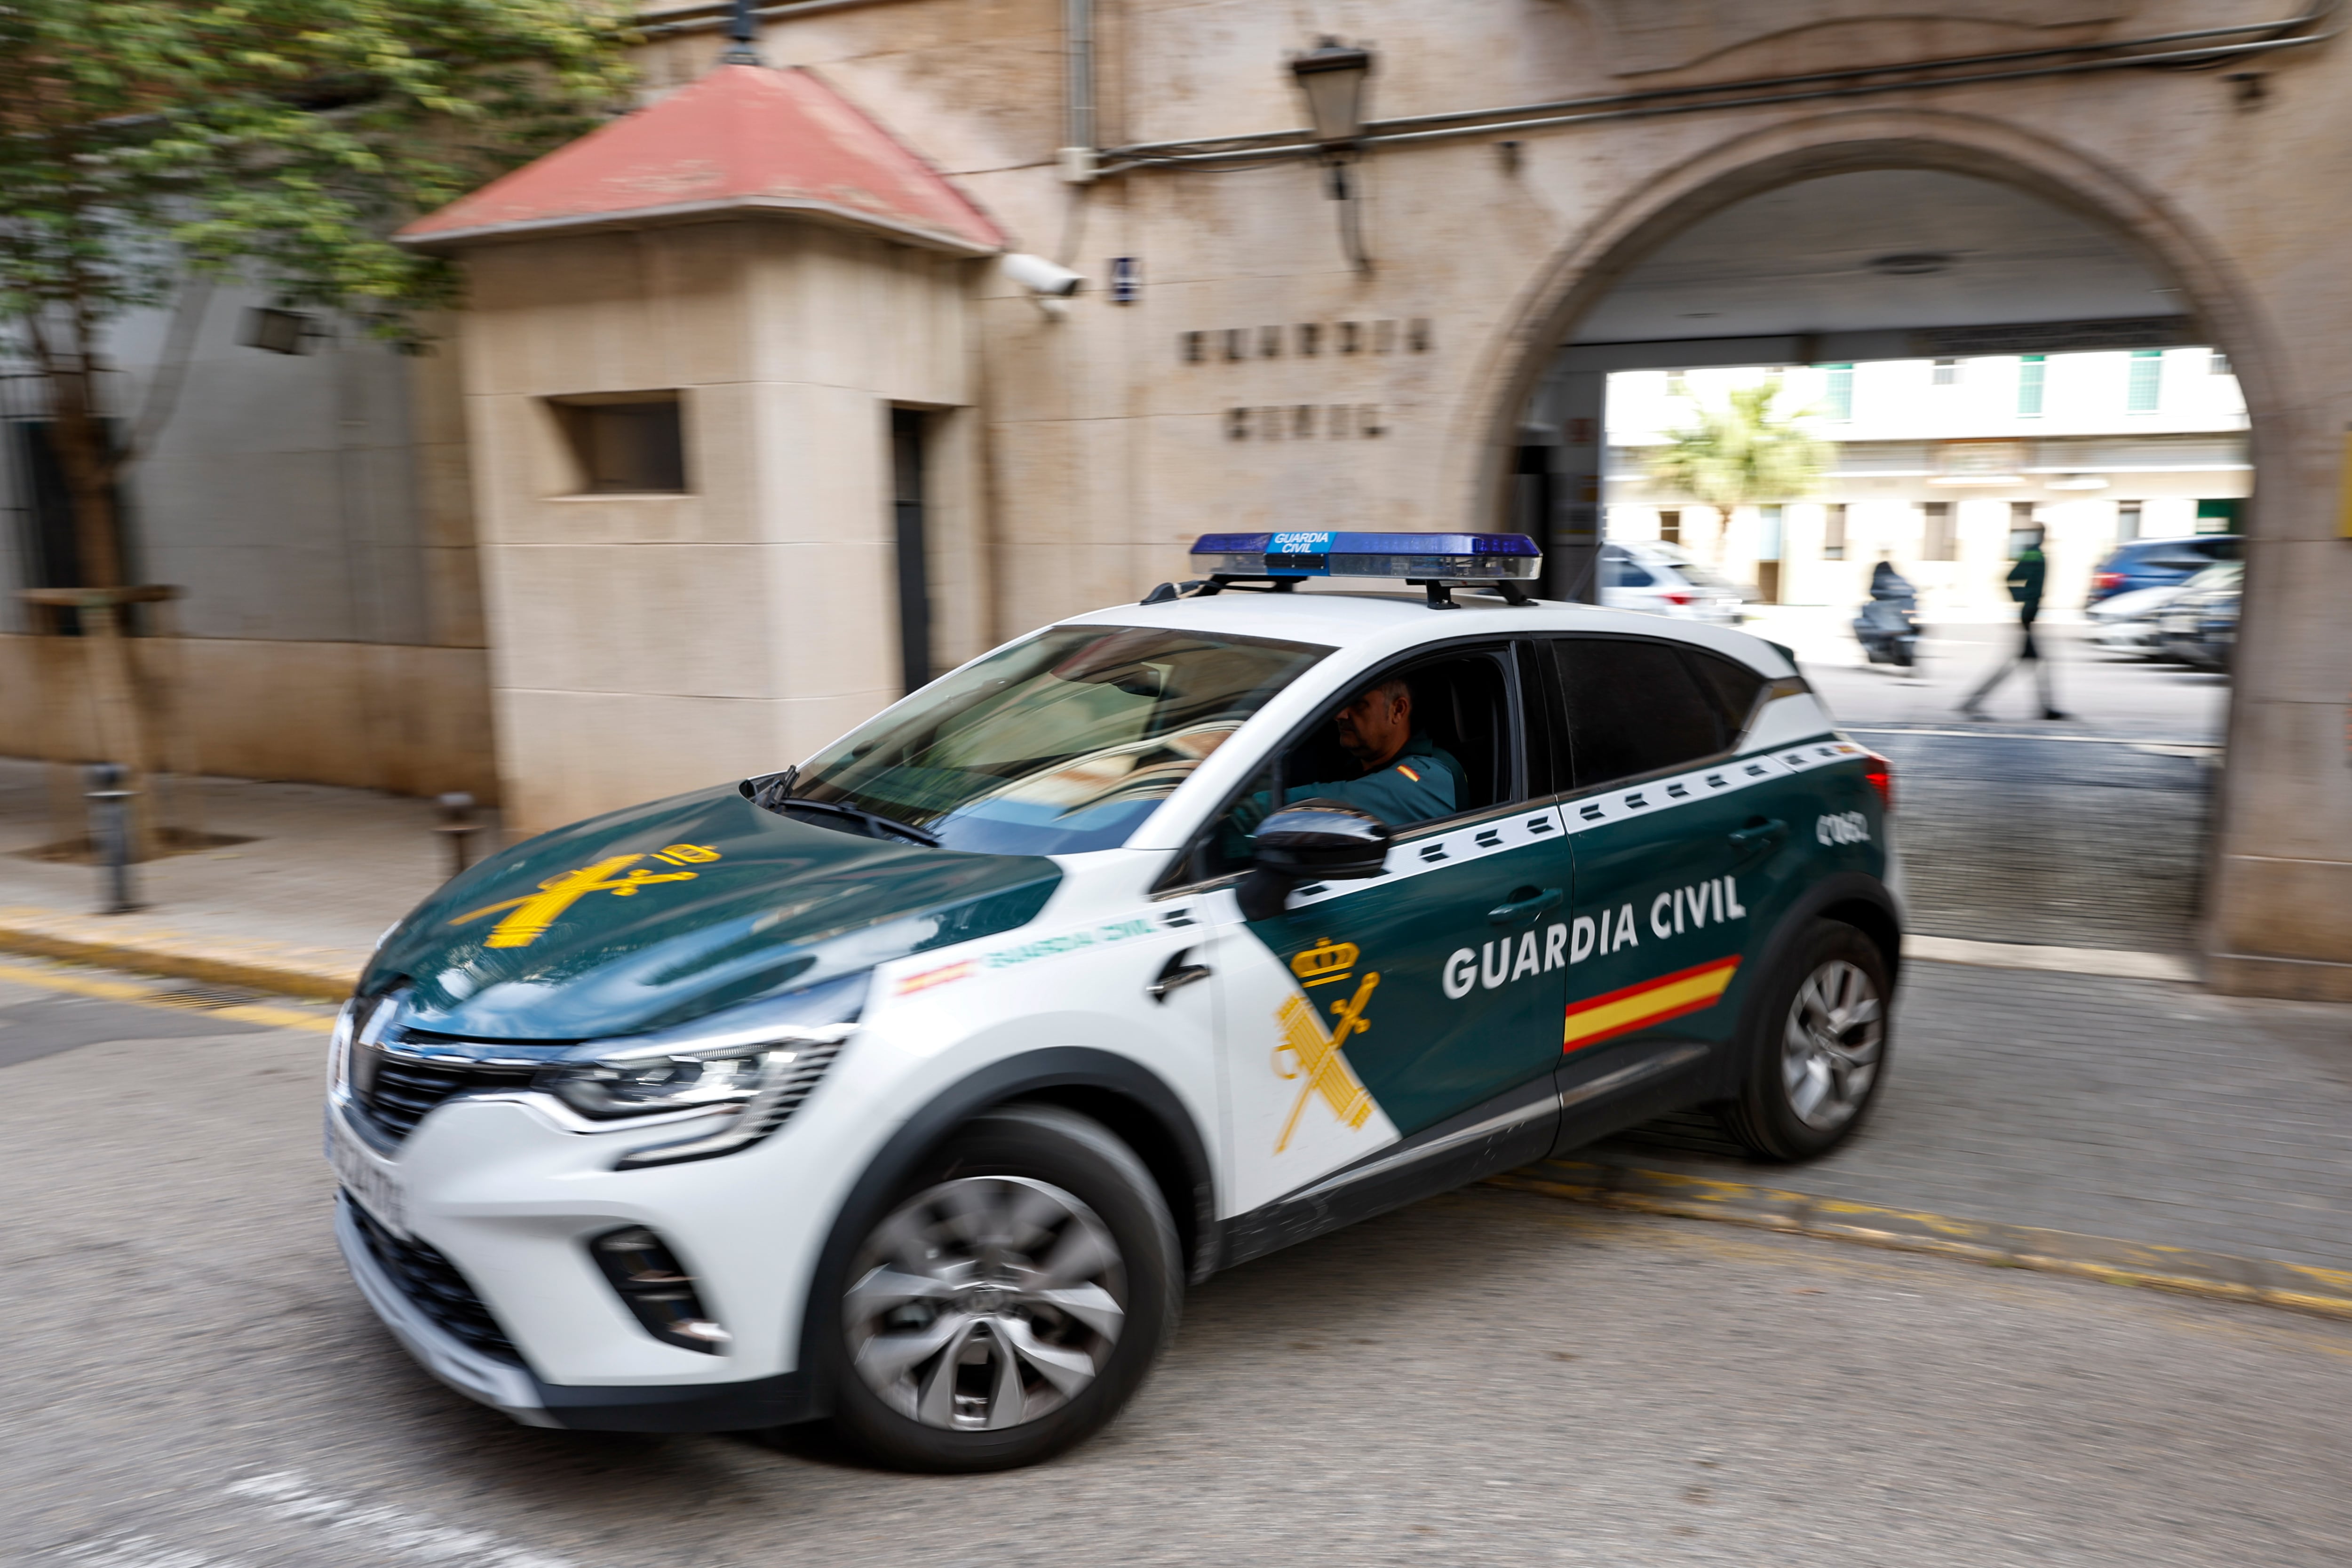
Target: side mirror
[1313, 841]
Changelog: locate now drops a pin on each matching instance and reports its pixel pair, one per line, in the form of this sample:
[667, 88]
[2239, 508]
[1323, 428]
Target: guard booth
[718, 374]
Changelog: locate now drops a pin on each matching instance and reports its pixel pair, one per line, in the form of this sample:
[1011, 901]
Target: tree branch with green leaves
[276, 142]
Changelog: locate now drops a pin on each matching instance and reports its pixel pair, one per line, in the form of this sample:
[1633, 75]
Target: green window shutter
[2146, 385]
[2029, 371]
[1840, 398]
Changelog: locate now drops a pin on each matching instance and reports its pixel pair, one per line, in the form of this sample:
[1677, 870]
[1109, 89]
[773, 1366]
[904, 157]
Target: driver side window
[1453, 749]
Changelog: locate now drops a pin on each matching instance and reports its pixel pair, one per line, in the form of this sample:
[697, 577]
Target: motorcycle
[1888, 626]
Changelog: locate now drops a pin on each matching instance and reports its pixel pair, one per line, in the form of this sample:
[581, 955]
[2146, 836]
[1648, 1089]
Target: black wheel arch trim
[1128, 1098]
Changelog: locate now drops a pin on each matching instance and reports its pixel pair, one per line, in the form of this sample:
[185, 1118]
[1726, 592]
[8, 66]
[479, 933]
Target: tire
[1817, 1052]
[1009, 1299]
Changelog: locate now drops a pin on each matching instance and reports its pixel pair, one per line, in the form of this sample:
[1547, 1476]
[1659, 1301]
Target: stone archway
[1663, 203]
[2241, 928]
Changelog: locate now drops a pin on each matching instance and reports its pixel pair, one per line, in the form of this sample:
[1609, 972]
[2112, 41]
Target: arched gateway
[2272, 922]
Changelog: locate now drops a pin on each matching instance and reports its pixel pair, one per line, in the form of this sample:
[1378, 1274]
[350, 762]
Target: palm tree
[1741, 452]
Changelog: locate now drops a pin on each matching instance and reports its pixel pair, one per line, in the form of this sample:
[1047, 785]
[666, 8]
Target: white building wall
[1887, 465]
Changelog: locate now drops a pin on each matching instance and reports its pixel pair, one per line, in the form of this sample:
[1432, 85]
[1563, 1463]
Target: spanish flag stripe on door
[1620, 1012]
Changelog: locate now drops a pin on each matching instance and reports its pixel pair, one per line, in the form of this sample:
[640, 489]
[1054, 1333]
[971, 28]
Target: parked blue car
[2160, 563]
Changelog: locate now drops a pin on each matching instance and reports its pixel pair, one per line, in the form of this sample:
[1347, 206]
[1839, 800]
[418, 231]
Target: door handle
[1533, 902]
[1759, 833]
[1174, 974]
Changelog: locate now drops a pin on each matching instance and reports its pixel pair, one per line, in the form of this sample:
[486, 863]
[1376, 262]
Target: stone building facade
[1235, 360]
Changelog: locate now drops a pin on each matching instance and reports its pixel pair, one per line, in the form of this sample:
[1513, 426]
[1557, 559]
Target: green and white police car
[909, 1086]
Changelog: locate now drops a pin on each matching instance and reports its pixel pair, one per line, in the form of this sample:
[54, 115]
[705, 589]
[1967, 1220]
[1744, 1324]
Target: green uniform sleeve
[1394, 794]
[1423, 783]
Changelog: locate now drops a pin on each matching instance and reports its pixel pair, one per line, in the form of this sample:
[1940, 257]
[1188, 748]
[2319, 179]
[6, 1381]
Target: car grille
[395, 1089]
[433, 1284]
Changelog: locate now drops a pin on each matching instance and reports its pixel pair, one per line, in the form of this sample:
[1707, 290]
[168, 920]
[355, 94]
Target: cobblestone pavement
[1488, 1378]
[2045, 841]
[2124, 1108]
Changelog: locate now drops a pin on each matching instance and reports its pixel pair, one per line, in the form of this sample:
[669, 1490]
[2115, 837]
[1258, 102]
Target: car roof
[1377, 623]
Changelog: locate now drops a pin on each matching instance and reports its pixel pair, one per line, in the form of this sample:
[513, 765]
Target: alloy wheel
[1831, 1044]
[984, 1302]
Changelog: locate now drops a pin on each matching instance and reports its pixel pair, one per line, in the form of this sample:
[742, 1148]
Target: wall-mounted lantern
[1331, 77]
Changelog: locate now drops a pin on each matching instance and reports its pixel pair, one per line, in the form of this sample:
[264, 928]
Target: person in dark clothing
[1406, 776]
[2026, 582]
[1886, 583]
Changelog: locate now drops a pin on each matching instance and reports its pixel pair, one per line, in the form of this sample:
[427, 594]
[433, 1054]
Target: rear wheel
[1820, 1047]
[1010, 1299]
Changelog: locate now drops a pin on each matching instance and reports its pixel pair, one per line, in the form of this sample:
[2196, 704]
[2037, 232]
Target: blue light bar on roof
[1423, 557]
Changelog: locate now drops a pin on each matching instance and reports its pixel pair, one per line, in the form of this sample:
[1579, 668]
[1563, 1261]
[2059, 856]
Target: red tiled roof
[744, 140]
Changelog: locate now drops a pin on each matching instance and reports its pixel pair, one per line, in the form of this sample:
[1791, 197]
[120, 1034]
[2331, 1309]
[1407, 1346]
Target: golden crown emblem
[1324, 958]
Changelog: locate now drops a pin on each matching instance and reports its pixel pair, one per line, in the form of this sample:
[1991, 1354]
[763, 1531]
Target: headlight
[678, 1081]
[339, 1050]
[753, 1065]
[359, 1019]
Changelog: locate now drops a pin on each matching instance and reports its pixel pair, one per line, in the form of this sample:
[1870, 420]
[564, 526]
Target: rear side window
[1634, 707]
[1734, 686]
[2223, 549]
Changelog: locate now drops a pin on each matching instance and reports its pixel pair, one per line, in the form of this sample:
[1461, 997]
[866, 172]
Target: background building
[739, 442]
[1938, 463]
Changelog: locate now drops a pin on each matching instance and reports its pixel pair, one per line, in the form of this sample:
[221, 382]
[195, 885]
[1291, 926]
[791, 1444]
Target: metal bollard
[457, 822]
[110, 833]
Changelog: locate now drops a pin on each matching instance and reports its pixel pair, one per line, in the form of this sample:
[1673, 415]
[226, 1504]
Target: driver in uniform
[1405, 777]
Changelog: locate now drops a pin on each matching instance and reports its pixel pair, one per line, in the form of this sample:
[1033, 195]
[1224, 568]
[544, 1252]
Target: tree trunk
[86, 452]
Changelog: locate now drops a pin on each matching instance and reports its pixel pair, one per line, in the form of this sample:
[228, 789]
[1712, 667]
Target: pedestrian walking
[2026, 578]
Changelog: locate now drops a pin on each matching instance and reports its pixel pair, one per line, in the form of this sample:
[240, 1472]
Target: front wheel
[1011, 1299]
[1820, 1049]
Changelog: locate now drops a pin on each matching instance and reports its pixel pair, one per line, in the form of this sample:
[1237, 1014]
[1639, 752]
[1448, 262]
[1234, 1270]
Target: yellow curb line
[258, 974]
[144, 996]
[2213, 1275]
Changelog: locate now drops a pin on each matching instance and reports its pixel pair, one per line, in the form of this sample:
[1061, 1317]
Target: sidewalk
[298, 909]
[2120, 699]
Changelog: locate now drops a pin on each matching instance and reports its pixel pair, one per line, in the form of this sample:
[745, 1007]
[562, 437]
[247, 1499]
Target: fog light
[656, 1290]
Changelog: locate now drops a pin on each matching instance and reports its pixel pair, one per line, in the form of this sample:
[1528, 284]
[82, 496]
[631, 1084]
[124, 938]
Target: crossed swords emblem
[1314, 1054]
[533, 913]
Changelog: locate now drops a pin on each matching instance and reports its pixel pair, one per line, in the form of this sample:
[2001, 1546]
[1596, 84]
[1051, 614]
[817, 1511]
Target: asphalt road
[1488, 1378]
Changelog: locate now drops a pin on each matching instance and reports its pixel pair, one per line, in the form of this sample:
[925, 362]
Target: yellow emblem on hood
[534, 913]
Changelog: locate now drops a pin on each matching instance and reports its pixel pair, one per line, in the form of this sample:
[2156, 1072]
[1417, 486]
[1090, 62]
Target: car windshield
[1061, 743]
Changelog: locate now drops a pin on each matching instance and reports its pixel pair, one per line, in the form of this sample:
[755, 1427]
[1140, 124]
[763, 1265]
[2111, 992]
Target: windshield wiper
[774, 791]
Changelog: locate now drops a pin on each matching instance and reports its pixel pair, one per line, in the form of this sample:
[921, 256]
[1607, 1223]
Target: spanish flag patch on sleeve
[1407, 772]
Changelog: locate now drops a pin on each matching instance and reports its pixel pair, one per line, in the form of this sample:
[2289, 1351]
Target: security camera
[1041, 276]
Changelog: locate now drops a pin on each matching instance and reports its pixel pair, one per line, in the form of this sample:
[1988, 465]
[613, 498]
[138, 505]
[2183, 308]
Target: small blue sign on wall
[1126, 279]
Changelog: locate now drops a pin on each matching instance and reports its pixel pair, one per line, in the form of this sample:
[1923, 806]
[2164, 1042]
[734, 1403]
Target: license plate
[371, 1183]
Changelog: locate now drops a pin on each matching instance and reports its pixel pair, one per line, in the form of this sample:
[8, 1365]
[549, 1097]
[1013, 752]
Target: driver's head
[1376, 723]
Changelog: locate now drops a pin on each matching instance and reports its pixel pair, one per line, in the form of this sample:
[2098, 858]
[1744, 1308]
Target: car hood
[653, 916]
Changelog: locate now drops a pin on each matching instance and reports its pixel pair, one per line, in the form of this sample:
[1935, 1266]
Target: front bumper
[515, 1390]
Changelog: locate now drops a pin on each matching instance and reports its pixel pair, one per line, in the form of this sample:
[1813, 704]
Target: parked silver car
[2200, 628]
[1668, 580]
[2127, 624]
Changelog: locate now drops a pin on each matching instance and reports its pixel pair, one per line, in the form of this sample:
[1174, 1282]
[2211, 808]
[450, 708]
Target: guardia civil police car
[908, 1087]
